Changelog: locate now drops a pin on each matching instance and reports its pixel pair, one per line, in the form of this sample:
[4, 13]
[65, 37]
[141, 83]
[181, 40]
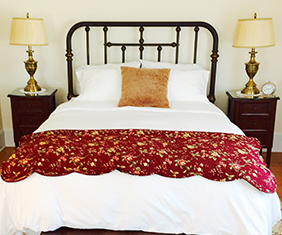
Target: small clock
[268, 88]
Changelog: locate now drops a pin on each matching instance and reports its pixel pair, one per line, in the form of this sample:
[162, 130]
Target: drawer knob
[254, 124]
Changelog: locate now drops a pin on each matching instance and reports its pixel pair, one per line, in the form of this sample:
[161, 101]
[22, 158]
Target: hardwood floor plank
[276, 168]
[70, 231]
[6, 153]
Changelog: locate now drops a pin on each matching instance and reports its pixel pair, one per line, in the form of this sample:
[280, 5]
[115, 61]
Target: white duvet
[120, 201]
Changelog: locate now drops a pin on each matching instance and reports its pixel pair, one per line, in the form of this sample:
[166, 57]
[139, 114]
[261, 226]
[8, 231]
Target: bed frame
[142, 44]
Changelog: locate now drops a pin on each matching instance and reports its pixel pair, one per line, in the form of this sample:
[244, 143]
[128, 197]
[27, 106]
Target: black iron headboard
[141, 44]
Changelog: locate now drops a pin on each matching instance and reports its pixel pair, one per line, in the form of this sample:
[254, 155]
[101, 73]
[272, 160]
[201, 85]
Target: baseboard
[2, 140]
[277, 143]
[9, 138]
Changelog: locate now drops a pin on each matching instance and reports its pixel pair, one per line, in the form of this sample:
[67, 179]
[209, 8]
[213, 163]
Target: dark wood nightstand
[30, 111]
[255, 116]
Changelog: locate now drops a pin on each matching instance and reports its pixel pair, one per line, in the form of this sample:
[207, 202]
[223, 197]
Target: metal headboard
[141, 44]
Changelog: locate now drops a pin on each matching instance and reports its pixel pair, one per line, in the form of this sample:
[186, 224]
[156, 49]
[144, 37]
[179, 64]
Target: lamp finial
[27, 15]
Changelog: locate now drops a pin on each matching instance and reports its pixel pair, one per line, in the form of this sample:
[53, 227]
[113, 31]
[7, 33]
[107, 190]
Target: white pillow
[101, 82]
[188, 85]
[187, 82]
[153, 64]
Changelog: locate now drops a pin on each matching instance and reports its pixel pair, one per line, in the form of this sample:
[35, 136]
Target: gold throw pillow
[144, 87]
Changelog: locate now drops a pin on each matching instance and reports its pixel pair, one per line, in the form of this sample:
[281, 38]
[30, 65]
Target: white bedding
[80, 114]
[119, 201]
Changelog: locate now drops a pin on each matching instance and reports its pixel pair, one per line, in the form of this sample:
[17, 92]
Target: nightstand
[30, 111]
[255, 116]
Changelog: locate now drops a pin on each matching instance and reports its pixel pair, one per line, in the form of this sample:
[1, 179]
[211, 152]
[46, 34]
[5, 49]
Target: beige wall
[60, 15]
[2, 139]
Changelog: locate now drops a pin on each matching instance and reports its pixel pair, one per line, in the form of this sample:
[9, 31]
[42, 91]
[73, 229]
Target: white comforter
[119, 201]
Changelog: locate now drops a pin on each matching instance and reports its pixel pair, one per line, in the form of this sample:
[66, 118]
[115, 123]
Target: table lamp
[29, 32]
[253, 33]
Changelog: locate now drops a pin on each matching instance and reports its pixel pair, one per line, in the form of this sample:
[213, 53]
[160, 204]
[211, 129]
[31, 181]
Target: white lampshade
[254, 33]
[28, 32]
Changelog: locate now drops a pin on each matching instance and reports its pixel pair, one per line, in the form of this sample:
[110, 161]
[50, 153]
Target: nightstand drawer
[30, 120]
[30, 106]
[27, 130]
[262, 136]
[254, 108]
[29, 112]
[255, 116]
[253, 123]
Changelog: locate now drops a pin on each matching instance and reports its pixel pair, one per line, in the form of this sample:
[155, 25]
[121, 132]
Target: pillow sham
[189, 85]
[187, 82]
[101, 82]
[144, 87]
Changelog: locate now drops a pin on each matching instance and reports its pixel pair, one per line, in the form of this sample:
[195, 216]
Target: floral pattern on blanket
[176, 154]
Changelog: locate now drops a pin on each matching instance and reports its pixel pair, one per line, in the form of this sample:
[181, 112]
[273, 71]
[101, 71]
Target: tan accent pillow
[144, 87]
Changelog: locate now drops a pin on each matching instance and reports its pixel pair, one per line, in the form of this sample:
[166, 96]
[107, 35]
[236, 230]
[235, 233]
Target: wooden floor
[275, 167]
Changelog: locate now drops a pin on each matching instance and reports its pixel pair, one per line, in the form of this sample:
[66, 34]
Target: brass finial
[27, 15]
[255, 16]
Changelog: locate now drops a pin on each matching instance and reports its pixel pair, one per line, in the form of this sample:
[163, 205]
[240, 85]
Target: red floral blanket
[178, 154]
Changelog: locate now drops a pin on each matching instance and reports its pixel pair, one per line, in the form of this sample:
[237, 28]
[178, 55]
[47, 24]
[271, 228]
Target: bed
[139, 146]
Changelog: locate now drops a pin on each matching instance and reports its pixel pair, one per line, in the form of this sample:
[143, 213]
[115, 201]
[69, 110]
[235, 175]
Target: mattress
[119, 201]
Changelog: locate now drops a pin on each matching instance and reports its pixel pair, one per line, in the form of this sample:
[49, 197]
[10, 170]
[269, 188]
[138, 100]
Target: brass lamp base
[31, 66]
[250, 88]
[251, 68]
[32, 86]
